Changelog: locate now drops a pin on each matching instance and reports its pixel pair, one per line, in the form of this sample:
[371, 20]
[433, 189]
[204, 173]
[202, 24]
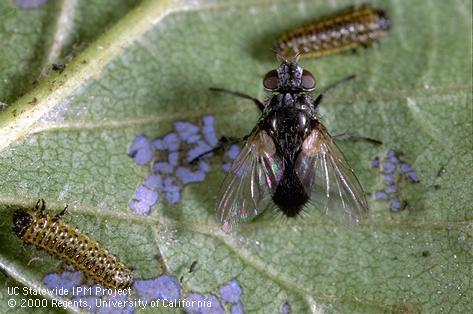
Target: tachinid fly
[289, 158]
[345, 30]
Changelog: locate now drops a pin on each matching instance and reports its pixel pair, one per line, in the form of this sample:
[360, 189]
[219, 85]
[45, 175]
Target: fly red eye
[308, 80]
[271, 80]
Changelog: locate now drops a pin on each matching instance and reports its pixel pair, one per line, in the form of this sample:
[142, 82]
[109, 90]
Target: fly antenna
[280, 57]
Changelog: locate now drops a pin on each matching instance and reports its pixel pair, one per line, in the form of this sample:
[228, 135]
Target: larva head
[21, 222]
[289, 77]
[384, 23]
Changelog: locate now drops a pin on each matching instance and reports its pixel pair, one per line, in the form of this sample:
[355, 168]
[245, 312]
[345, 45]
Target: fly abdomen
[290, 196]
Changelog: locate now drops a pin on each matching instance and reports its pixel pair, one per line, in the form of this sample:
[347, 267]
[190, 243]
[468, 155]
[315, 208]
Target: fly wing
[246, 190]
[329, 180]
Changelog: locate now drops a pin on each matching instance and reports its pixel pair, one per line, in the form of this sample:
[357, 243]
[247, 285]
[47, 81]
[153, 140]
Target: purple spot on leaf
[233, 151]
[173, 197]
[144, 199]
[393, 156]
[215, 307]
[172, 142]
[164, 287]
[141, 150]
[173, 158]
[146, 196]
[205, 167]
[286, 309]
[163, 167]
[380, 196]
[412, 175]
[395, 205]
[30, 4]
[226, 167]
[188, 176]
[388, 167]
[374, 163]
[154, 182]
[200, 149]
[209, 130]
[405, 168]
[159, 144]
[66, 280]
[391, 153]
[389, 179]
[193, 139]
[231, 292]
[237, 308]
[167, 175]
[186, 129]
[169, 185]
[139, 208]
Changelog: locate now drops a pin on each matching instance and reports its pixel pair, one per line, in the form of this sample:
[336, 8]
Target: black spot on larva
[71, 246]
[21, 222]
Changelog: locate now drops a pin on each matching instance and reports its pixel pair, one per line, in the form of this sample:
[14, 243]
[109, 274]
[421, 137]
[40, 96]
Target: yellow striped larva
[346, 30]
[71, 246]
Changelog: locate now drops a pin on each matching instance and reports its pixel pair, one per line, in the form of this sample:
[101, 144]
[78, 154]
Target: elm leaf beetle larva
[289, 158]
[71, 246]
[345, 30]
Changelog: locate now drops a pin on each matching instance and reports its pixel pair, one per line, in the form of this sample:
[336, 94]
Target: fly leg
[224, 142]
[329, 88]
[345, 136]
[257, 102]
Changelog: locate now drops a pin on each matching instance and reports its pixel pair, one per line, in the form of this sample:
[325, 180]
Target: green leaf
[66, 140]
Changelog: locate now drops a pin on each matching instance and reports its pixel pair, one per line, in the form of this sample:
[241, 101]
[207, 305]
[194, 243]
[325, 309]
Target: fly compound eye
[270, 81]
[308, 81]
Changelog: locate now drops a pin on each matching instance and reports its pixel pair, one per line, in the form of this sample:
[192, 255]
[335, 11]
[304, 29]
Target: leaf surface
[66, 140]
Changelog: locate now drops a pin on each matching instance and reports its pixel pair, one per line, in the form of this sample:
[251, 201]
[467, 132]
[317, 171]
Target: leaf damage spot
[231, 292]
[175, 160]
[30, 4]
[393, 170]
[165, 287]
[164, 291]
[286, 309]
[66, 280]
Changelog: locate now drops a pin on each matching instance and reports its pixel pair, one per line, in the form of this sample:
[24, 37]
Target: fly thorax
[288, 100]
[304, 102]
[303, 124]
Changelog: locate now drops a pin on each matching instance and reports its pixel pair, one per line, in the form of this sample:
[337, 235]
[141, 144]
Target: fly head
[289, 77]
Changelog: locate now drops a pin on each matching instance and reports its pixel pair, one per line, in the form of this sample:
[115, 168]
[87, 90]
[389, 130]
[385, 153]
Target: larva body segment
[71, 246]
[346, 30]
